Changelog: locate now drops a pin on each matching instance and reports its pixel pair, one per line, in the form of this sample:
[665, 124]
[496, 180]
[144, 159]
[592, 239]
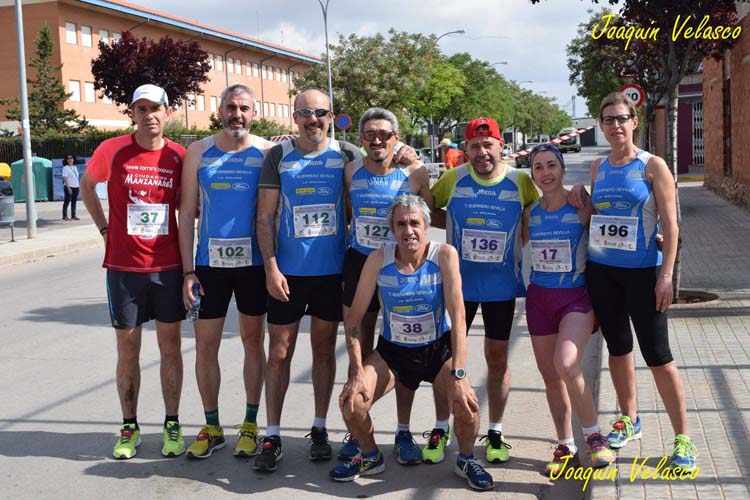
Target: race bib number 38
[230, 252]
[372, 232]
[148, 220]
[413, 329]
[314, 220]
[483, 246]
[613, 232]
[552, 256]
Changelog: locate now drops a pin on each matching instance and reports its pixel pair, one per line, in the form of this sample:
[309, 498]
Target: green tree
[47, 95]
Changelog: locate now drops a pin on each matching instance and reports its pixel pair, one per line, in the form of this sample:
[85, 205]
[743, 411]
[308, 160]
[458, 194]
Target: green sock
[212, 417]
[251, 413]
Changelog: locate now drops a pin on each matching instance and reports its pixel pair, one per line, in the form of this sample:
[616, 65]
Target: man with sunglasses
[221, 174]
[301, 230]
[371, 185]
[484, 201]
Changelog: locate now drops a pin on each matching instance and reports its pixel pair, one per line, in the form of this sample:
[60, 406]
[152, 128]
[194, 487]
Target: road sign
[343, 121]
[635, 92]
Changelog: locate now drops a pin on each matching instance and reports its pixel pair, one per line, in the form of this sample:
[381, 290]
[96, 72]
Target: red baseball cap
[472, 132]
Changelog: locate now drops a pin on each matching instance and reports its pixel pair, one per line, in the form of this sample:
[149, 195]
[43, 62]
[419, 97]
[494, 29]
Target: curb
[48, 244]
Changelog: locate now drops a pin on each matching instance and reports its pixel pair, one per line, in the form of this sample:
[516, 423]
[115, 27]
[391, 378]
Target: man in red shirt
[142, 257]
[452, 157]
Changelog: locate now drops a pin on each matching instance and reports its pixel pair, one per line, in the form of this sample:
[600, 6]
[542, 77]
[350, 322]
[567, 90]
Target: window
[230, 65]
[264, 73]
[265, 109]
[257, 107]
[273, 109]
[74, 87]
[201, 103]
[212, 104]
[286, 111]
[238, 66]
[255, 70]
[249, 68]
[219, 63]
[88, 92]
[190, 98]
[283, 76]
[70, 33]
[86, 36]
[278, 74]
[116, 37]
[104, 36]
[106, 100]
[210, 60]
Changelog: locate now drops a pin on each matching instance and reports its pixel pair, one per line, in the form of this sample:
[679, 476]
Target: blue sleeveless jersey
[558, 243]
[310, 222]
[483, 224]
[228, 184]
[623, 231]
[371, 195]
[413, 304]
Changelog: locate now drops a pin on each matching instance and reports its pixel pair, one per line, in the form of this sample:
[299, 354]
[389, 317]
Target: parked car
[507, 151]
[571, 144]
[523, 161]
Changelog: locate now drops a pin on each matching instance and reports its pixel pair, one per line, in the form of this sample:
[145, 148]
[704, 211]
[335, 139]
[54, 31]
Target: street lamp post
[432, 122]
[515, 142]
[324, 8]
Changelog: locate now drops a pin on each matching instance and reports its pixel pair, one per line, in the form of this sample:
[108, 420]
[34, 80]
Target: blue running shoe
[358, 466]
[684, 454]
[350, 448]
[623, 431]
[406, 450]
[471, 470]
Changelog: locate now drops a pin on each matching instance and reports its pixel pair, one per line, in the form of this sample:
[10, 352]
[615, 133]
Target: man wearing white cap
[142, 257]
[452, 156]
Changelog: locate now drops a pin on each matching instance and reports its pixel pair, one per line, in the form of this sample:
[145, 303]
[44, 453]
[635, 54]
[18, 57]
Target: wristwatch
[459, 373]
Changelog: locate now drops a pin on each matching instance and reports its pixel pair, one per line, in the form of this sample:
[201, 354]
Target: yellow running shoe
[496, 447]
[599, 452]
[210, 438]
[174, 445]
[247, 445]
[129, 440]
[561, 458]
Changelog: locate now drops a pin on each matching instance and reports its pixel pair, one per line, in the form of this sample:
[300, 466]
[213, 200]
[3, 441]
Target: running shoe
[623, 431]
[437, 441]
[129, 440]
[270, 454]
[174, 445]
[320, 448]
[406, 450]
[358, 466]
[247, 445]
[66, 218]
[684, 454]
[599, 452]
[75, 218]
[350, 448]
[561, 458]
[497, 448]
[471, 470]
[210, 438]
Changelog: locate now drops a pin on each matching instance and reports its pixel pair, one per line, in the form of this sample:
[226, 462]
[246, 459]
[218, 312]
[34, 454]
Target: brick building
[726, 110]
[78, 25]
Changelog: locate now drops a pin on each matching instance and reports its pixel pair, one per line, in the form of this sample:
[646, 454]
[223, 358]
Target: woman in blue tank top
[559, 313]
[630, 278]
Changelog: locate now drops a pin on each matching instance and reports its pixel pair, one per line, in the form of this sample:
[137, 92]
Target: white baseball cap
[150, 92]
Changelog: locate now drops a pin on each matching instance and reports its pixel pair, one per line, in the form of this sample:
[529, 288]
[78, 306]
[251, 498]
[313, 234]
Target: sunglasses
[383, 135]
[621, 119]
[307, 113]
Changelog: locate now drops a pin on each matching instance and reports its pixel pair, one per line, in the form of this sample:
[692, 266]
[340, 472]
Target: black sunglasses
[383, 135]
[307, 112]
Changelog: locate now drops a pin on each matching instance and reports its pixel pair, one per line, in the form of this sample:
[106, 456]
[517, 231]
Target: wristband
[185, 275]
[103, 230]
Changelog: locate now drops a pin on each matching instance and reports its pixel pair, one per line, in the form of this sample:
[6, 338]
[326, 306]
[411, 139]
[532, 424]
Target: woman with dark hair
[71, 187]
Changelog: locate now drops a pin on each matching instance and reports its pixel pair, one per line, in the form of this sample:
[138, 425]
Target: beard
[237, 133]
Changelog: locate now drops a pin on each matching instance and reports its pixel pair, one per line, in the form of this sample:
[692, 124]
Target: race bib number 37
[372, 232]
[552, 256]
[413, 329]
[148, 220]
[619, 233]
[230, 252]
[483, 246]
[314, 220]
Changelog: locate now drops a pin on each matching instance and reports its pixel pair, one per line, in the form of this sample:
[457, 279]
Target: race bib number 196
[148, 220]
[613, 232]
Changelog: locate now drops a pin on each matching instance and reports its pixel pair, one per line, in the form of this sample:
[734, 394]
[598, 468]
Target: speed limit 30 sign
[634, 92]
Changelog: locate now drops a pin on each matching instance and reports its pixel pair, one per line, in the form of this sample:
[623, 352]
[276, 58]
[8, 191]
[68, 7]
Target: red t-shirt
[143, 192]
[454, 158]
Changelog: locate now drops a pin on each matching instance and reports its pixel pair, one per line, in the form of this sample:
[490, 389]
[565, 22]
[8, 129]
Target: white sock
[496, 426]
[442, 424]
[273, 430]
[571, 444]
[319, 422]
[402, 427]
[590, 430]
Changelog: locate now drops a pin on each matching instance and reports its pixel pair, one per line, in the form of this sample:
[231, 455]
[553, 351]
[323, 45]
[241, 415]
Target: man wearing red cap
[484, 201]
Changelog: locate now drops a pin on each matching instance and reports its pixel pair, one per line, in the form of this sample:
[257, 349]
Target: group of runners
[311, 226]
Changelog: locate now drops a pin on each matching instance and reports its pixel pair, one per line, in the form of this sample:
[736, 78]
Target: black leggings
[623, 294]
[70, 199]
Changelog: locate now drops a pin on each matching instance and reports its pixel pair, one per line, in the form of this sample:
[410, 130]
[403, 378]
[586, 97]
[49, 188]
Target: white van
[572, 144]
